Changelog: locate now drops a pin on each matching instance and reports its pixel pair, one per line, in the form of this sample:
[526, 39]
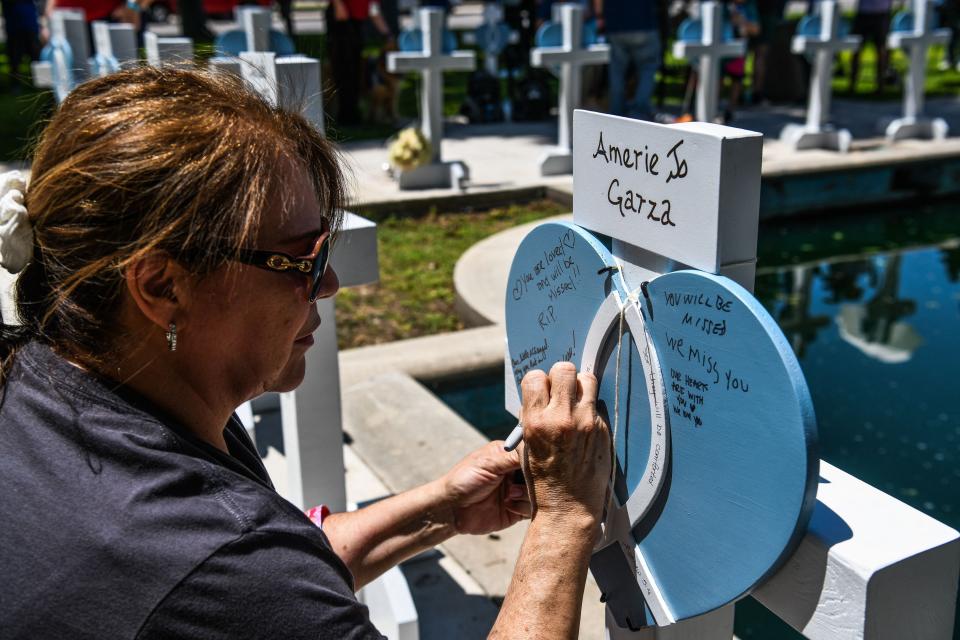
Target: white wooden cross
[289, 81]
[311, 415]
[571, 56]
[69, 50]
[431, 63]
[869, 566]
[710, 50]
[255, 23]
[173, 51]
[913, 123]
[817, 132]
[115, 44]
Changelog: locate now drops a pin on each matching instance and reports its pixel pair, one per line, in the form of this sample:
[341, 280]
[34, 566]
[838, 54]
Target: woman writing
[171, 244]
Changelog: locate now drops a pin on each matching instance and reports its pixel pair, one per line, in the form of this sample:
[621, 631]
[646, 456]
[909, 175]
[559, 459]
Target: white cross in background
[255, 23]
[430, 63]
[116, 44]
[817, 132]
[292, 82]
[710, 50]
[571, 56]
[168, 51]
[68, 33]
[913, 124]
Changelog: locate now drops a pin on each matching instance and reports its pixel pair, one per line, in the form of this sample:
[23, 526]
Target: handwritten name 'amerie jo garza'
[644, 162]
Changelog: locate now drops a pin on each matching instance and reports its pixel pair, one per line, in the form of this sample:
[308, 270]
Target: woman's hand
[566, 461]
[567, 453]
[482, 492]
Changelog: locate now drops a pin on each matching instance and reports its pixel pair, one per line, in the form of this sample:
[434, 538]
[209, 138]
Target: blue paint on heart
[553, 292]
[550, 34]
[744, 465]
[632, 431]
[544, 328]
[691, 30]
[809, 26]
[234, 42]
[411, 40]
[493, 38]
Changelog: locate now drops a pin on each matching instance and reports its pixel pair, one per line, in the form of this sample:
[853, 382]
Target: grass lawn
[417, 254]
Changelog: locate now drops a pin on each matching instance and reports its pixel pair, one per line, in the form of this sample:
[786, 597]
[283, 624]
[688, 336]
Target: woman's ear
[156, 283]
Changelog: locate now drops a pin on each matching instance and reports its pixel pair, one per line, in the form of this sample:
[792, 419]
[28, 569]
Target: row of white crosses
[431, 62]
[70, 62]
[816, 132]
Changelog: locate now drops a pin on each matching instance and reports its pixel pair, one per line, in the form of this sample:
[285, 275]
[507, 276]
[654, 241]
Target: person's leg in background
[286, 11]
[619, 63]
[645, 52]
[345, 46]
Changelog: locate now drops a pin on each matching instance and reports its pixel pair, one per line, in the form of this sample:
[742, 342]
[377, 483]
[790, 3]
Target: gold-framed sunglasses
[314, 265]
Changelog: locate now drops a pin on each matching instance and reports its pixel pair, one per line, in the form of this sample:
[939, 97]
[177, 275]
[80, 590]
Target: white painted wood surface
[688, 193]
[115, 44]
[66, 26]
[174, 51]
[71, 25]
[311, 415]
[870, 567]
[293, 82]
[392, 610]
[255, 22]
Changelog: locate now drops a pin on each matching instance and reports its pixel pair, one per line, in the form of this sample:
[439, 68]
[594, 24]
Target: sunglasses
[314, 265]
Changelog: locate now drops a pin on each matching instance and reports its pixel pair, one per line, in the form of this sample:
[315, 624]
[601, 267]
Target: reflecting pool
[871, 306]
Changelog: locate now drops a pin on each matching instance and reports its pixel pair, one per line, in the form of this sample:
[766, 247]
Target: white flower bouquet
[409, 149]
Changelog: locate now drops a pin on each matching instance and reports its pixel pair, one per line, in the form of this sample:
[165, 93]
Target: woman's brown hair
[150, 159]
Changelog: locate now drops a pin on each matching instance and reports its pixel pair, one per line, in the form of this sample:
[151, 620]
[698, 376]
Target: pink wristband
[317, 514]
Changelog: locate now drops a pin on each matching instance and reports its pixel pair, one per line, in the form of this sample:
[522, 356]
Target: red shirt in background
[358, 9]
[94, 9]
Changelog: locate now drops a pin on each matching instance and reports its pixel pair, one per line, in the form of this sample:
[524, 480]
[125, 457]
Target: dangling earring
[172, 336]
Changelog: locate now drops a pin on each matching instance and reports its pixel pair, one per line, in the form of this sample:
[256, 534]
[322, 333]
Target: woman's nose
[329, 284]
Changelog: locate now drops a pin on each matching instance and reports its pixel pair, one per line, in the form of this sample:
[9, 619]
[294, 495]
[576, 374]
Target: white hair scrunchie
[16, 234]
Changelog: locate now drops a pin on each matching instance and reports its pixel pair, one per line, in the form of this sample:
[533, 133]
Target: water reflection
[874, 327]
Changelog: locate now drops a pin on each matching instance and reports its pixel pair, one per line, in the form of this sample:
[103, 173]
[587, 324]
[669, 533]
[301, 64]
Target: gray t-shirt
[116, 522]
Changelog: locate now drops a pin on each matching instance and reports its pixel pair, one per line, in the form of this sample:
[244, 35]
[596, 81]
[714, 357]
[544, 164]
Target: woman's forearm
[546, 591]
[373, 539]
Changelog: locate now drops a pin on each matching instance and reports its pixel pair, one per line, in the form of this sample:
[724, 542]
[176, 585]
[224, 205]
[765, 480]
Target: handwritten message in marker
[681, 191]
[557, 281]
